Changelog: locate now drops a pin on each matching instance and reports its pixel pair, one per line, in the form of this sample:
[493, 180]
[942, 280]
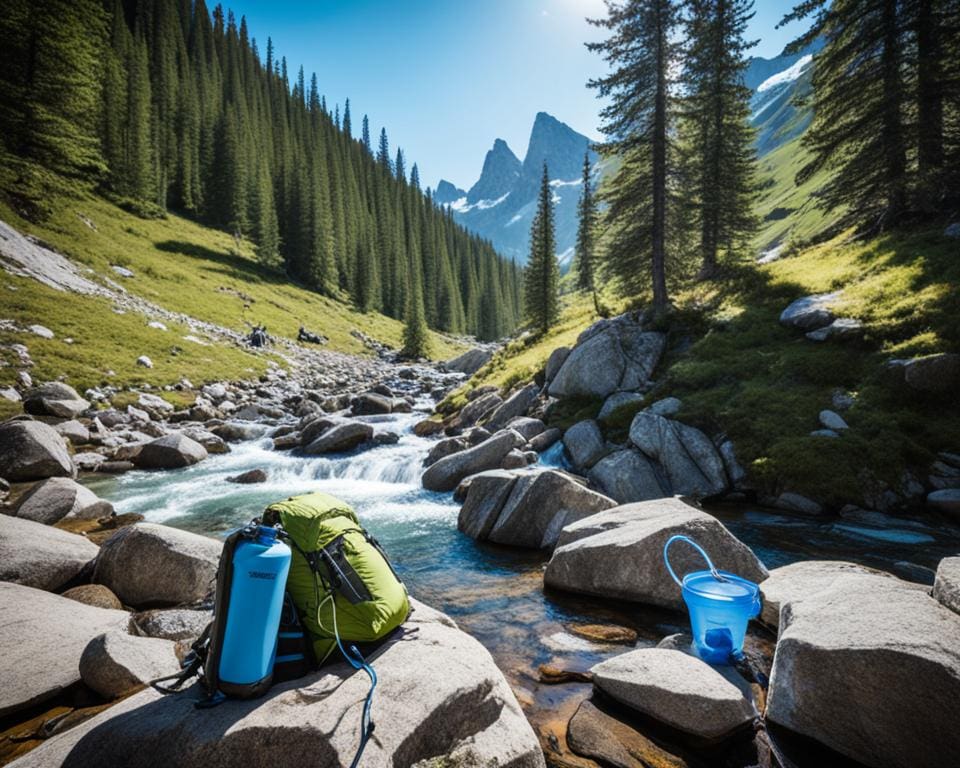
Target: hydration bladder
[720, 606]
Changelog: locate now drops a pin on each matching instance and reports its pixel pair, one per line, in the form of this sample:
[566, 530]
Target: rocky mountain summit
[501, 204]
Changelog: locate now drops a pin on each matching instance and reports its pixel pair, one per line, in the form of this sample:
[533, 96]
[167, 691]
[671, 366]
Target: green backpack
[340, 579]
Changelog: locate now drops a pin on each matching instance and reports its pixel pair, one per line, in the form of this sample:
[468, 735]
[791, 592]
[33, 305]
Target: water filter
[260, 567]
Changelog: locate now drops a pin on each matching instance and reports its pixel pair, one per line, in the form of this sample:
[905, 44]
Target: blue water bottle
[260, 566]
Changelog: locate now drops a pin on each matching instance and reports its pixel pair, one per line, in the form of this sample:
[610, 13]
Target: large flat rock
[797, 581]
[43, 636]
[871, 668]
[440, 700]
[678, 689]
[619, 553]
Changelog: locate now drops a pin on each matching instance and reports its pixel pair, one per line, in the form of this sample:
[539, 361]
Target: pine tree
[639, 120]
[51, 82]
[267, 232]
[858, 133]
[187, 114]
[586, 257]
[416, 339]
[716, 110]
[366, 136]
[383, 153]
[346, 119]
[542, 280]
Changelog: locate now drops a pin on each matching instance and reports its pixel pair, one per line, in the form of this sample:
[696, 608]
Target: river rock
[946, 587]
[871, 668]
[440, 700]
[315, 426]
[40, 556]
[445, 474]
[56, 498]
[427, 427]
[54, 399]
[340, 438]
[249, 477]
[618, 553]
[213, 443]
[934, 373]
[677, 689]
[477, 409]
[114, 662]
[154, 405]
[371, 403]
[96, 595]
[485, 496]
[687, 459]
[516, 459]
[810, 312]
[73, 431]
[946, 501]
[627, 476]
[173, 623]
[555, 362]
[539, 505]
[585, 444]
[446, 447]
[469, 362]
[612, 354]
[593, 733]
[545, 439]
[237, 431]
[527, 427]
[515, 405]
[43, 636]
[148, 564]
[30, 450]
[794, 502]
[793, 582]
[170, 452]
[619, 402]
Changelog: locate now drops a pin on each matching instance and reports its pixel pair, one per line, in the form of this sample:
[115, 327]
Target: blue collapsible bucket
[720, 605]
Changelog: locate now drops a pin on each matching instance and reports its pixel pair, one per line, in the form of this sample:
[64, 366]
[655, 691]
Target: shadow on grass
[244, 268]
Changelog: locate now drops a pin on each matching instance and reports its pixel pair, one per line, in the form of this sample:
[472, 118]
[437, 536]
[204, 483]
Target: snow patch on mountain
[462, 206]
[788, 75]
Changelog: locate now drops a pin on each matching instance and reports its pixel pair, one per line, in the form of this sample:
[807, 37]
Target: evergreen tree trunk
[659, 176]
[893, 138]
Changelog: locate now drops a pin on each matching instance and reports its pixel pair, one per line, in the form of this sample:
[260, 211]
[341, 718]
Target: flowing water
[494, 593]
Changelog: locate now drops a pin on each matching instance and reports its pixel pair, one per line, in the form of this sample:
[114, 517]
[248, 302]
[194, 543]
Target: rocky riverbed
[525, 536]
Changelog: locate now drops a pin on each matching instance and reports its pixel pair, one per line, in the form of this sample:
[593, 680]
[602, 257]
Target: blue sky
[447, 77]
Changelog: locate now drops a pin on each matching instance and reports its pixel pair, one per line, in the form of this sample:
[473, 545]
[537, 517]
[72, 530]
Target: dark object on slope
[309, 337]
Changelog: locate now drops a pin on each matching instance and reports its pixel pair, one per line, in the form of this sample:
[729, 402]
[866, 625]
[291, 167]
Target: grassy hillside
[178, 265]
[739, 372]
[788, 212]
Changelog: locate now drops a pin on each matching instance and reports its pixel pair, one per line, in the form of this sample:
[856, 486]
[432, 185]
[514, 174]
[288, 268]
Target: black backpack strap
[192, 665]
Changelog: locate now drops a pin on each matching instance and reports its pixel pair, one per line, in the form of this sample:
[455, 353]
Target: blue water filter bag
[260, 567]
[720, 605]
